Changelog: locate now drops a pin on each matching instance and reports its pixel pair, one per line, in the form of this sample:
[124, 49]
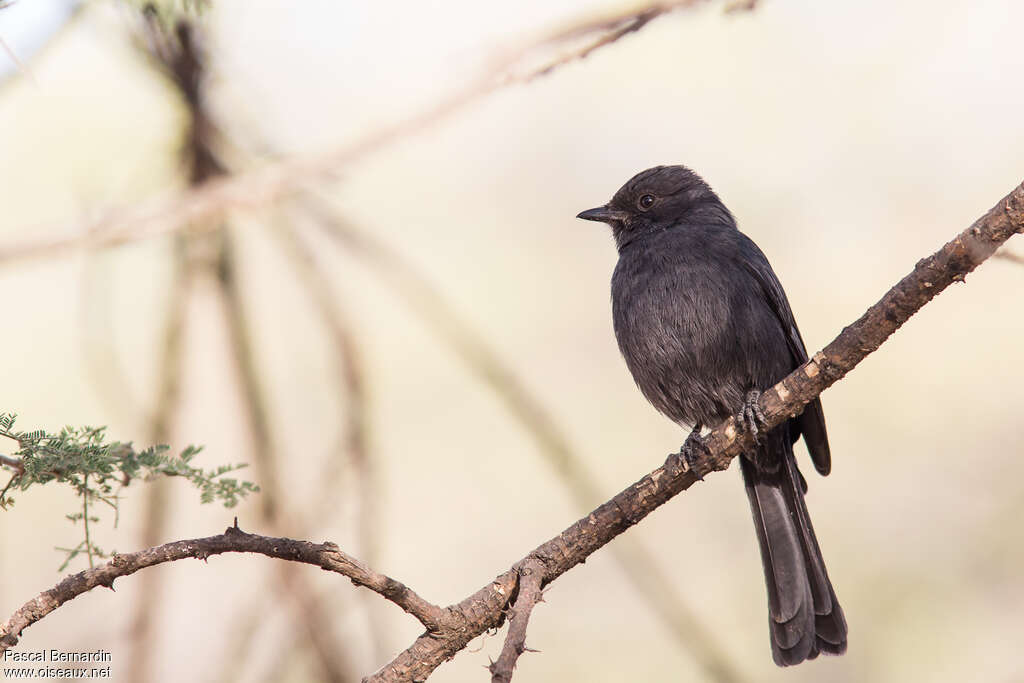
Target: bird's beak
[603, 214]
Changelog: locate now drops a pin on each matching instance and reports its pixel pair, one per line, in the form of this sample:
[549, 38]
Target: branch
[13, 463]
[327, 556]
[204, 204]
[1007, 255]
[530, 576]
[483, 609]
[450, 629]
[641, 568]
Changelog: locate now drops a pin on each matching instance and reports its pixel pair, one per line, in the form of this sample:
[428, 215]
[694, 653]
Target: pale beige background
[850, 139]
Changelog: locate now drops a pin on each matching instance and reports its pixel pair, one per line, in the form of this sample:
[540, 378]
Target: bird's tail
[804, 616]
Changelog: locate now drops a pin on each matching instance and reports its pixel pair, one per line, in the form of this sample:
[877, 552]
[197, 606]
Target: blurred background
[413, 348]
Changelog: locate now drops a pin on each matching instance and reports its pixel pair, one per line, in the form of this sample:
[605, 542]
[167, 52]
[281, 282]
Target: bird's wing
[811, 423]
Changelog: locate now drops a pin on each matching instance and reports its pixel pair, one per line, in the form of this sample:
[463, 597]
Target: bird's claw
[750, 417]
[692, 450]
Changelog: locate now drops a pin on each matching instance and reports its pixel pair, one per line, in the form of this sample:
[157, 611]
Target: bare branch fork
[450, 629]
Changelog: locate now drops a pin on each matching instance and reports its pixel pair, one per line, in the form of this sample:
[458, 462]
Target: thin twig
[247, 368]
[327, 556]
[1007, 255]
[10, 482]
[206, 203]
[176, 54]
[531, 574]
[350, 381]
[85, 517]
[315, 617]
[353, 421]
[14, 58]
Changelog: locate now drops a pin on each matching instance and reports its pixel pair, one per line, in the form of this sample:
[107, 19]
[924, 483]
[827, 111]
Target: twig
[530, 576]
[247, 368]
[315, 617]
[354, 421]
[10, 482]
[155, 505]
[13, 463]
[206, 203]
[350, 380]
[1007, 255]
[483, 609]
[655, 587]
[14, 58]
[85, 517]
[327, 556]
[177, 56]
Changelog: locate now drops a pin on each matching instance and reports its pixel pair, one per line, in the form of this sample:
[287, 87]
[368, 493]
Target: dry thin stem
[353, 419]
[641, 568]
[247, 368]
[313, 616]
[206, 203]
[155, 506]
[175, 55]
[531, 573]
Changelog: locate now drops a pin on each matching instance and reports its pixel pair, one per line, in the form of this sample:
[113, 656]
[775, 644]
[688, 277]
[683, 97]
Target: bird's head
[658, 199]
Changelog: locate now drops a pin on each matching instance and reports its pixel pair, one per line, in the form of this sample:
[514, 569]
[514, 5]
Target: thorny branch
[450, 629]
[530, 576]
[327, 556]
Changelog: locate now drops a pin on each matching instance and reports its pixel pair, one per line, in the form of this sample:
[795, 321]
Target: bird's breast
[671, 313]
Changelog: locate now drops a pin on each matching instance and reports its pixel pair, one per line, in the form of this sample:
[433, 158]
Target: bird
[704, 325]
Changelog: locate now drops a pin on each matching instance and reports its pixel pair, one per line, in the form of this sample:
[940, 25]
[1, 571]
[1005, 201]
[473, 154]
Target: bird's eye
[646, 202]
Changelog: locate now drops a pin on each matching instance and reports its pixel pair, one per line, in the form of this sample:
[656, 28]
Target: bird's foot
[750, 417]
[692, 451]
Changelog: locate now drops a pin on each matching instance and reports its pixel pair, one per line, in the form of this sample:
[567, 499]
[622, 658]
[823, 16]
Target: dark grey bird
[703, 325]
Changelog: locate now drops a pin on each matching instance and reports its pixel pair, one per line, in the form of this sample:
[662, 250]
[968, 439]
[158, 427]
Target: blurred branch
[659, 591]
[174, 52]
[351, 382]
[312, 614]
[450, 629]
[75, 12]
[14, 57]
[1007, 255]
[354, 420]
[253, 396]
[258, 188]
[13, 463]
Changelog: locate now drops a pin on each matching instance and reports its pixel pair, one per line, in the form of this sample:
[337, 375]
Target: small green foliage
[97, 470]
